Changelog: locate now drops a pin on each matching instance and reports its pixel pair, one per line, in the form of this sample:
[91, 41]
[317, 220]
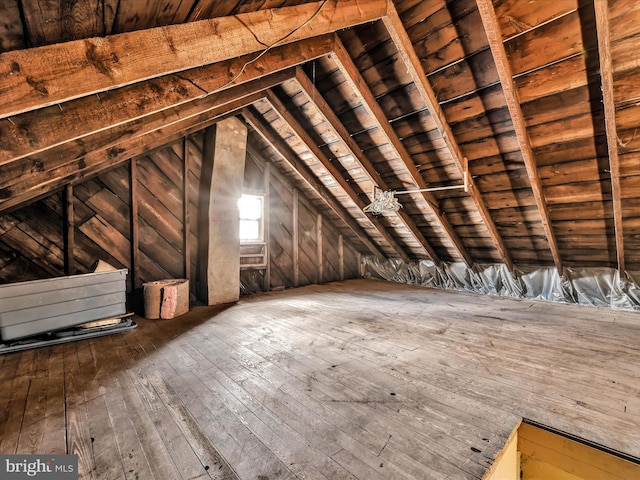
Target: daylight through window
[251, 213]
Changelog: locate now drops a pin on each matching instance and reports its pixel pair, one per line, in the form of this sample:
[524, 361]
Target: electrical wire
[433, 189]
[267, 49]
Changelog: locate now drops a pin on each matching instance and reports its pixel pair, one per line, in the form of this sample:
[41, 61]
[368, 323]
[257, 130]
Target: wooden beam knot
[98, 60]
[116, 152]
[37, 86]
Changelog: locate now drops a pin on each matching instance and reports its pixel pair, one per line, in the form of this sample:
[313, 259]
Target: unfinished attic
[395, 239]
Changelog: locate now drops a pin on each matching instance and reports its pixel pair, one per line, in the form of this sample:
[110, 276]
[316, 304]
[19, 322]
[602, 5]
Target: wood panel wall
[33, 237]
[303, 247]
[28, 252]
[147, 236]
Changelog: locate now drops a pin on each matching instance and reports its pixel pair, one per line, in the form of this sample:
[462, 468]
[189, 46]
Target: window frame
[260, 240]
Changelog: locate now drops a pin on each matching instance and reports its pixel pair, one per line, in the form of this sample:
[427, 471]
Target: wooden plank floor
[362, 379]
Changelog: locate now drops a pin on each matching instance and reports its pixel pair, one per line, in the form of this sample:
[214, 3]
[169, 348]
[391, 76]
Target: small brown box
[166, 299]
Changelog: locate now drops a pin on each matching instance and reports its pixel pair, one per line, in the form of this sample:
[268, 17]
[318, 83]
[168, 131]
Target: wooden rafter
[606, 72]
[302, 134]
[48, 75]
[136, 147]
[321, 104]
[94, 163]
[68, 160]
[412, 62]
[510, 91]
[285, 152]
[100, 151]
[369, 102]
[34, 132]
[44, 162]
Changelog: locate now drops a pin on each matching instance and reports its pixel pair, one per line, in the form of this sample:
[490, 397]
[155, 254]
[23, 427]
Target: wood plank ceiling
[539, 97]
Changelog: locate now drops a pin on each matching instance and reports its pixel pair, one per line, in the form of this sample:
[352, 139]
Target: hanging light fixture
[385, 201]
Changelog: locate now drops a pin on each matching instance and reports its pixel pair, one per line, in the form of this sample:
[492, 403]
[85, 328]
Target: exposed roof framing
[197, 84]
[399, 99]
[494, 35]
[316, 98]
[405, 48]
[352, 74]
[39, 77]
[302, 134]
[95, 164]
[606, 72]
[284, 151]
[74, 160]
[33, 132]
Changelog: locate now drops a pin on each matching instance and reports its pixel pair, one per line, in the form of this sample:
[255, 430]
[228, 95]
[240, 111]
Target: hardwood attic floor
[361, 379]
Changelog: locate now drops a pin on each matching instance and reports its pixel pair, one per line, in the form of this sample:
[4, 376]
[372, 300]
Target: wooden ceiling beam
[369, 102]
[92, 164]
[510, 91]
[66, 152]
[281, 109]
[316, 98]
[135, 149]
[34, 78]
[32, 132]
[69, 162]
[286, 153]
[606, 72]
[414, 67]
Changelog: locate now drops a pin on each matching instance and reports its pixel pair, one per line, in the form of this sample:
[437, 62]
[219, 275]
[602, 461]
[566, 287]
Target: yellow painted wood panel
[574, 458]
[507, 463]
[533, 453]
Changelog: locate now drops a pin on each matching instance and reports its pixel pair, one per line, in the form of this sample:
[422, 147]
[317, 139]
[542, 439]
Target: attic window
[251, 209]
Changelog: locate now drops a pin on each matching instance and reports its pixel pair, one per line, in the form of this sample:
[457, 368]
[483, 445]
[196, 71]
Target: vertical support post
[69, 231]
[296, 239]
[319, 246]
[186, 226]
[221, 187]
[267, 221]
[341, 256]
[204, 198]
[135, 242]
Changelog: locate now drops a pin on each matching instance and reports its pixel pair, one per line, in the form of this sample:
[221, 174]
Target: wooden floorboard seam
[349, 380]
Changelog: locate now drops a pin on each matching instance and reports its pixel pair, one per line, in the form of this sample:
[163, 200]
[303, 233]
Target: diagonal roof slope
[540, 98]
